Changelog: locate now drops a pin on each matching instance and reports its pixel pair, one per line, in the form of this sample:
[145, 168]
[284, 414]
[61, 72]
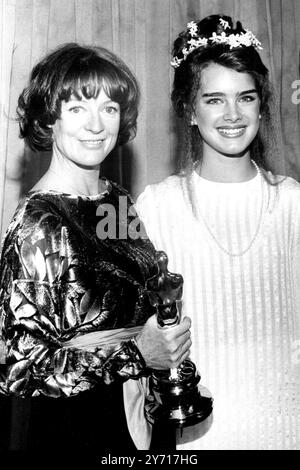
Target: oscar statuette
[175, 400]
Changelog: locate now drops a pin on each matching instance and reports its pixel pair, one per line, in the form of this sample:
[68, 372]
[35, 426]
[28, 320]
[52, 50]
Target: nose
[94, 122]
[232, 112]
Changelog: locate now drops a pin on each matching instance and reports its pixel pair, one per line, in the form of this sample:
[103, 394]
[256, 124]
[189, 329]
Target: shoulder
[287, 186]
[291, 184]
[281, 180]
[160, 206]
[286, 196]
[117, 191]
[43, 210]
[36, 216]
[162, 192]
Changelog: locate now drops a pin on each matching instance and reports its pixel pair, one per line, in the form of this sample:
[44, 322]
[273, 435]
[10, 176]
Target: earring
[259, 116]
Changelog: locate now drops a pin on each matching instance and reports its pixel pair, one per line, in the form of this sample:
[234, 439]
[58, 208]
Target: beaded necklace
[259, 225]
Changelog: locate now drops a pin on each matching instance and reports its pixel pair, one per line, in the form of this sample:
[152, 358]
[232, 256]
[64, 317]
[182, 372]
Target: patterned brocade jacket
[60, 280]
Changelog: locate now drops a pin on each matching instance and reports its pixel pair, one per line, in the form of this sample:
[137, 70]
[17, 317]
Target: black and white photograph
[149, 229]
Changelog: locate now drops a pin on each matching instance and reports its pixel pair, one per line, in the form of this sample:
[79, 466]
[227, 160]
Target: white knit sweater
[244, 309]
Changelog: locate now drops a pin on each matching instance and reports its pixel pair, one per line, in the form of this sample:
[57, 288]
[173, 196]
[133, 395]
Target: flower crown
[246, 39]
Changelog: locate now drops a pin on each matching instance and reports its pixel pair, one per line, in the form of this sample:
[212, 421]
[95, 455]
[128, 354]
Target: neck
[227, 169]
[64, 175]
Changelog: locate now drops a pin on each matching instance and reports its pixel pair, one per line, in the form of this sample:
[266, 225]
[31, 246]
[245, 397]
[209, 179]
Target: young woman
[232, 229]
[72, 299]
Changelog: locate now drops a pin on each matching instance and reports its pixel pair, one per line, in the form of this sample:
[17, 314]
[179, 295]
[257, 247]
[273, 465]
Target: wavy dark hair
[187, 80]
[77, 70]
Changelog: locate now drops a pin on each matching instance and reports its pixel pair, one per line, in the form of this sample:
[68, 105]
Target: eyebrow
[218, 93]
[85, 100]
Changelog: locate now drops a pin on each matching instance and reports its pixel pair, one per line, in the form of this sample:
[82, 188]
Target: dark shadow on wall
[179, 145]
[127, 157]
[33, 166]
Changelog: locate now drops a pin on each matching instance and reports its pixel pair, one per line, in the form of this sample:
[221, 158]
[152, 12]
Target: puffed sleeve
[41, 307]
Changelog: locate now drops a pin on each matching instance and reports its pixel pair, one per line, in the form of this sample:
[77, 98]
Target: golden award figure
[175, 399]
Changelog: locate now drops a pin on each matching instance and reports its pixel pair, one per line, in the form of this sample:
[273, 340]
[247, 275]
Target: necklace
[259, 224]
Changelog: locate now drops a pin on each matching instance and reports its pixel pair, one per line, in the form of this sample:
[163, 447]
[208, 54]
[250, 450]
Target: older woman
[72, 295]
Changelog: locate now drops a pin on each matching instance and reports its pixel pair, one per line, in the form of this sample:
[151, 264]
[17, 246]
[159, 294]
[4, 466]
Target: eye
[214, 101]
[247, 98]
[76, 109]
[111, 109]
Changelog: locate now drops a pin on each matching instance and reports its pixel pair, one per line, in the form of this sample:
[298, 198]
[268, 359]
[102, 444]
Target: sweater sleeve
[40, 309]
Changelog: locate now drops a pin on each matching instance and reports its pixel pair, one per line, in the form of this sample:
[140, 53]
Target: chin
[91, 159]
[89, 164]
[234, 149]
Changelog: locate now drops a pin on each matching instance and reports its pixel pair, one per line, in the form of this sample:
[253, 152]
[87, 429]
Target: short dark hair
[187, 80]
[81, 70]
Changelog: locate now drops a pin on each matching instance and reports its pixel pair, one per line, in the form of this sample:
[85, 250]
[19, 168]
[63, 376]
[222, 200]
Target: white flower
[175, 62]
[214, 37]
[219, 38]
[193, 43]
[202, 42]
[253, 40]
[234, 40]
[224, 23]
[185, 52]
[193, 28]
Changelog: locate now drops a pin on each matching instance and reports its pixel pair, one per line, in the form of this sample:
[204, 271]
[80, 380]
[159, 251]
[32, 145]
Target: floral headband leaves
[243, 39]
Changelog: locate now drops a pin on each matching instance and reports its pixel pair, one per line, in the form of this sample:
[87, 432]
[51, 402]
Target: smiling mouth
[231, 131]
[92, 142]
